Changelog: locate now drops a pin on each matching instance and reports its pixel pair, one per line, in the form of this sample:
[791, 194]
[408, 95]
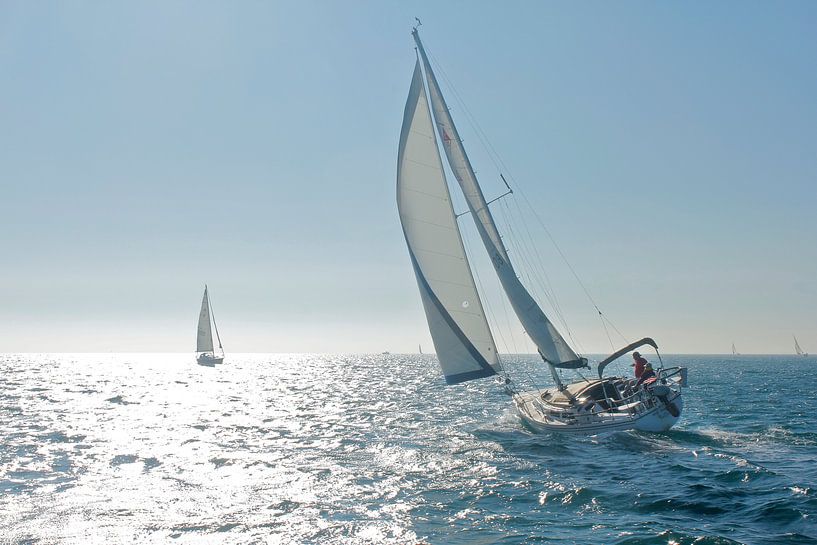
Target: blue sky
[148, 148]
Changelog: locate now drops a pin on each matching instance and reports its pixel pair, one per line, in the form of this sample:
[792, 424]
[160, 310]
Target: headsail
[552, 346]
[215, 325]
[797, 348]
[204, 338]
[456, 319]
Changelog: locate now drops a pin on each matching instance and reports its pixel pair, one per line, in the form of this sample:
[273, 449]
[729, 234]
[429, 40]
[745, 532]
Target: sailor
[639, 364]
[647, 374]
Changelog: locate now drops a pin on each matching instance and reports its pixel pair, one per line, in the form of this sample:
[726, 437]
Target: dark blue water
[375, 449]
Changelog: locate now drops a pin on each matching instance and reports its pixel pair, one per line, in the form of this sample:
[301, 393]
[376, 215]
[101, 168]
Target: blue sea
[375, 449]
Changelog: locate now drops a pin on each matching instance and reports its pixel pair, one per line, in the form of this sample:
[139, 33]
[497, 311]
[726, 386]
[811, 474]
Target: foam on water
[375, 449]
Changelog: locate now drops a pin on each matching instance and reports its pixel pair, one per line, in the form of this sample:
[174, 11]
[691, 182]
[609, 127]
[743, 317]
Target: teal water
[302, 449]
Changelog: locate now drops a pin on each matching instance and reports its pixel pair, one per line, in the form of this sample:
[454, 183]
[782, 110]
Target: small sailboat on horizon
[734, 350]
[205, 352]
[797, 349]
[455, 313]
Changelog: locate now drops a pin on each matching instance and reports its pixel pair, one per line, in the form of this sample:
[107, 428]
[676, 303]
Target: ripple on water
[302, 449]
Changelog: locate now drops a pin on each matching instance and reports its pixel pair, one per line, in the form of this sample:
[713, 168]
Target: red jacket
[640, 362]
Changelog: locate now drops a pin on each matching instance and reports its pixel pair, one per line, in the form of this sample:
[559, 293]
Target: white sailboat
[459, 329]
[734, 350]
[797, 349]
[205, 352]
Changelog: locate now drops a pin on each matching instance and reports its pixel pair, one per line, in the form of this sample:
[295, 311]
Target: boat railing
[670, 372]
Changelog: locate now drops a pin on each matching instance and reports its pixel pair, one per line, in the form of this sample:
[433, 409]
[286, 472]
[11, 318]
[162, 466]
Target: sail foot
[573, 364]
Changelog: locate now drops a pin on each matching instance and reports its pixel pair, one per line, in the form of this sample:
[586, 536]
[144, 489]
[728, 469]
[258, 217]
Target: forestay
[204, 338]
[456, 319]
[548, 340]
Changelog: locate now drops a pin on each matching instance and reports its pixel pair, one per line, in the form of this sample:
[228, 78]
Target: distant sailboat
[420, 346]
[456, 318]
[734, 351]
[205, 353]
[797, 348]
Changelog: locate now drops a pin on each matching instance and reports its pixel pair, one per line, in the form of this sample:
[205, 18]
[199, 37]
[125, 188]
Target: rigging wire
[501, 167]
[607, 332]
[535, 266]
[466, 238]
[532, 268]
[467, 235]
[550, 294]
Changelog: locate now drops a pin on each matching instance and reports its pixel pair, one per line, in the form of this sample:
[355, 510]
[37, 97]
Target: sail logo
[446, 138]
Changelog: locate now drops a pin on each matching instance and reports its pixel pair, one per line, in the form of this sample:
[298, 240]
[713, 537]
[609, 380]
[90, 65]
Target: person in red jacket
[639, 363]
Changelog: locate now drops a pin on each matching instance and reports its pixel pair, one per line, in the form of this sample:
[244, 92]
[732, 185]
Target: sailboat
[734, 350]
[797, 349]
[205, 353]
[456, 318]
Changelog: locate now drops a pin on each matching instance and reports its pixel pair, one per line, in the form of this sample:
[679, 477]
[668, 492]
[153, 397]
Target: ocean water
[303, 449]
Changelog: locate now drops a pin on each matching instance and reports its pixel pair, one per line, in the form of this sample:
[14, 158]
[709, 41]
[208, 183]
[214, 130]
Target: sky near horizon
[149, 148]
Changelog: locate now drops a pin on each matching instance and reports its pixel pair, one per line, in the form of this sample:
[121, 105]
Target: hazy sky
[149, 147]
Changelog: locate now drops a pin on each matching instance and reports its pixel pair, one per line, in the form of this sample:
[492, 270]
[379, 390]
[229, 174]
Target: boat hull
[208, 360]
[655, 420]
[652, 409]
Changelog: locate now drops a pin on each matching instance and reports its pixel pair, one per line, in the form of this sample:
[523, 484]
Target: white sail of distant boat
[457, 321]
[797, 349]
[420, 347]
[205, 350]
[734, 350]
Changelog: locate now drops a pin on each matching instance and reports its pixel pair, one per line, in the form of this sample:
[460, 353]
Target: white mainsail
[456, 319]
[552, 346]
[204, 337]
[734, 351]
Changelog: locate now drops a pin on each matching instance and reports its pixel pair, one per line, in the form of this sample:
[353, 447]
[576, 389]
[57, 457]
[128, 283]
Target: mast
[551, 345]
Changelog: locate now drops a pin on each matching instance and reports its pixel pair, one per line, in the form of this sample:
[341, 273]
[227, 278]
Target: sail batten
[550, 343]
[462, 339]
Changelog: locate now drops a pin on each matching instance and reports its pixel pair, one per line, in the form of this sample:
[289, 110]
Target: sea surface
[375, 449]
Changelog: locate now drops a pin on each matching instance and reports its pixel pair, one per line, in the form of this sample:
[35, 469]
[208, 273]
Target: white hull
[656, 420]
[209, 359]
[642, 410]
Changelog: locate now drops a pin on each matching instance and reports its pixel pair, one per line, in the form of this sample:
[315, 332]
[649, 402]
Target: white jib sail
[204, 337]
[548, 340]
[462, 338]
[797, 348]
